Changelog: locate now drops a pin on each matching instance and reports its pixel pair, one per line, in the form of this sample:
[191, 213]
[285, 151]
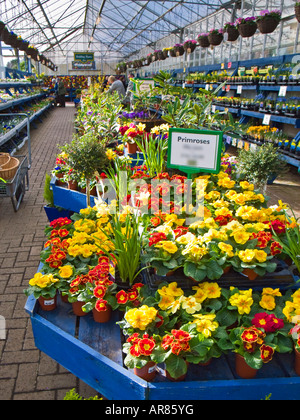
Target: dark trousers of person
[61, 100]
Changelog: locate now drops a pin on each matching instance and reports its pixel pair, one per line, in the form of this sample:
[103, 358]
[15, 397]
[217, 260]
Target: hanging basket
[189, 47]
[247, 30]
[215, 39]
[297, 12]
[172, 52]
[2, 26]
[24, 45]
[5, 35]
[267, 25]
[204, 42]
[233, 34]
[179, 50]
[165, 53]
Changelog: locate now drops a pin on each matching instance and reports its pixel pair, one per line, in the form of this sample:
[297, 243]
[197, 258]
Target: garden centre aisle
[25, 372]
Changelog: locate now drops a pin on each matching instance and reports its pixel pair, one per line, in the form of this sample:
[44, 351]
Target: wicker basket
[4, 159]
[233, 34]
[215, 39]
[247, 30]
[204, 42]
[297, 13]
[9, 170]
[268, 25]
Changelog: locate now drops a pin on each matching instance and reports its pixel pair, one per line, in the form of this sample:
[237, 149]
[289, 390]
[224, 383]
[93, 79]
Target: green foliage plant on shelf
[289, 240]
[87, 157]
[257, 166]
[143, 100]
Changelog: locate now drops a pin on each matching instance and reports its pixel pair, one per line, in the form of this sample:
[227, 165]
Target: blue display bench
[69, 199]
[93, 353]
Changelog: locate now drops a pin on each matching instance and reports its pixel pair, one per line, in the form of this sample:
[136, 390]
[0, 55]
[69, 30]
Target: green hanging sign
[194, 151]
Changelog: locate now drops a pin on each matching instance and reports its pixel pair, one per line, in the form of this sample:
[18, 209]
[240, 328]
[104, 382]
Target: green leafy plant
[48, 193]
[87, 157]
[72, 395]
[257, 166]
[154, 153]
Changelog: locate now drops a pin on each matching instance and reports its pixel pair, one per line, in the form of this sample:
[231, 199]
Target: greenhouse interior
[149, 202]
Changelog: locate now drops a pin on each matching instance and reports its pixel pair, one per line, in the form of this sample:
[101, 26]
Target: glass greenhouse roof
[113, 28]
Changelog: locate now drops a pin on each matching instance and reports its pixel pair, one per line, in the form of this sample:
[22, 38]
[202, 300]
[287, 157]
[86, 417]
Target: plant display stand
[16, 188]
[93, 353]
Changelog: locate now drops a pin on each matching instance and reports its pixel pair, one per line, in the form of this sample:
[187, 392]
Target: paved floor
[25, 372]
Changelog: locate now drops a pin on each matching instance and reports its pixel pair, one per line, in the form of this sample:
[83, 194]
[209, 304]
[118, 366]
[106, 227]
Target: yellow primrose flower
[165, 302]
[175, 305]
[84, 225]
[247, 256]
[190, 305]
[290, 310]
[267, 302]
[171, 290]
[243, 301]
[212, 290]
[141, 317]
[187, 238]
[226, 182]
[66, 271]
[213, 195]
[261, 255]
[247, 186]
[296, 296]
[111, 155]
[241, 237]
[226, 248]
[205, 324]
[167, 246]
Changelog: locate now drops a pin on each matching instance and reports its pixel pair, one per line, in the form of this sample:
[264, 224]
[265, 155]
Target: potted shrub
[268, 21]
[215, 36]
[246, 26]
[232, 31]
[87, 157]
[44, 288]
[257, 166]
[203, 40]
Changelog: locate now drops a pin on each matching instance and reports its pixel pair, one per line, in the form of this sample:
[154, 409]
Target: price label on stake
[267, 119]
[282, 91]
[239, 89]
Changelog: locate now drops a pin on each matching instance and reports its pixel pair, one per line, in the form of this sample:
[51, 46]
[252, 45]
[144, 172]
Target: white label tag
[282, 91]
[49, 302]
[239, 89]
[267, 119]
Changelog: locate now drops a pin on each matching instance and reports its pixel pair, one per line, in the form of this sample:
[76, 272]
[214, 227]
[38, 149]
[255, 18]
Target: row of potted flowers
[179, 327]
[246, 27]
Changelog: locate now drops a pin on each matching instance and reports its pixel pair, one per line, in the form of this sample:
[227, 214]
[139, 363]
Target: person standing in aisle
[61, 92]
[116, 86]
[128, 99]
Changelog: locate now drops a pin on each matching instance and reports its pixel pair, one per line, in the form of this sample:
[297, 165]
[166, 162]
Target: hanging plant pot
[172, 52]
[247, 30]
[267, 25]
[190, 46]
[179, 50]
[2, 26]
[147, 372]
[102, 316]
[24, 45]
[204, 41]
[165, 53]
[243, 369]
[48, 304]
[5, 35]
[215, 39]
[297, 12]
[233, 34]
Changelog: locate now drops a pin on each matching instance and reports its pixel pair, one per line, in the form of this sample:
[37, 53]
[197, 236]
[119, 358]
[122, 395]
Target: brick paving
[25, 372]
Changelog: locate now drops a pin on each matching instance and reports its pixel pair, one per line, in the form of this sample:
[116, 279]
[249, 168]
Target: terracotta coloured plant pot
[77, 308]
[250, 274]
[226, 269]
[102, 316]
[243, 369]
[73, 185]
[205, 363]
[148, 372]
[297, 362]
[64, 298]
[48, 304]
[132, 148]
